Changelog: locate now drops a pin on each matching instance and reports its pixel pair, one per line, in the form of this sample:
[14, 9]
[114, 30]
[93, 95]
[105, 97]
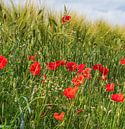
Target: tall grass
[26, 102]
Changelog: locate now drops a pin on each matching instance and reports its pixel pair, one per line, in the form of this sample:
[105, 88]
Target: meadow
[60, 71]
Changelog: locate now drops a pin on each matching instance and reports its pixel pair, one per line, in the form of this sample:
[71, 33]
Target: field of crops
[59, 71]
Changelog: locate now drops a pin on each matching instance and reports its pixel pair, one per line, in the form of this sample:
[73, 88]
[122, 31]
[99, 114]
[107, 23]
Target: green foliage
[29, 30]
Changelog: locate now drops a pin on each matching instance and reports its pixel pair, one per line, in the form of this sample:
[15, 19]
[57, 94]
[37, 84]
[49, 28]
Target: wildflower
[32, 58]
[66, 19]
[35, 68]
[118, 97]
[70, 92]
[61, 62]
[97, 67]
[59, 116]
[71, 66]
[3, 62]
[55, 65]
[81, 68]
[110, 87]
[86, 73]
[78, 80]
[51, 66]
[104, 71]
[122, 61]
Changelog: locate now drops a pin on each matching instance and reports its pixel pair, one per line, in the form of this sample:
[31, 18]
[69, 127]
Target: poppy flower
[118, 97]
[59, 116]
[78, 80]
[3, 62]
[52, 66]
[81, 68]
[61, 62]
[110, 87]
[97, 67]
[122, 61]
[32, 58]
[55, 65]
[71, 66]
[70, 92]
[104, 71]
[35, 68]
[66, 18]
[86, 73]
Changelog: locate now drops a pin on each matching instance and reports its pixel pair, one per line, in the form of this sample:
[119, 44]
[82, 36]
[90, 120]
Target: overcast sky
[112, 11]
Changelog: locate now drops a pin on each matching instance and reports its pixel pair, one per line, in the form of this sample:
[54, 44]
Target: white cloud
[112, 11]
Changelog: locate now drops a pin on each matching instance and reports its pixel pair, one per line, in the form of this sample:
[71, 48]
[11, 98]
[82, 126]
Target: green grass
[29, 30]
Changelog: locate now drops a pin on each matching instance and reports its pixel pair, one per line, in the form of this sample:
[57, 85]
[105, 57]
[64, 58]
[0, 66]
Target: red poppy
[71, 66]
[59, 116]
[104, 71]
[86, 73]
[110, 87]
[70, 92]
[3, 62]
[32, 58]
[97, 66]
[61, 62]
[122, 61]
[81, 68]
[52, 65]
[66, 18]
[78, 80]
[55, 65]
[118, 97]
[35, 68]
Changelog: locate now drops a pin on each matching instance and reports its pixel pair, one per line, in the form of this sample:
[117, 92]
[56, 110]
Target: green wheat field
[30, 34]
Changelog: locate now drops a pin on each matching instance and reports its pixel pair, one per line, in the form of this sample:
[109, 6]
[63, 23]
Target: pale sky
[113, 11]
